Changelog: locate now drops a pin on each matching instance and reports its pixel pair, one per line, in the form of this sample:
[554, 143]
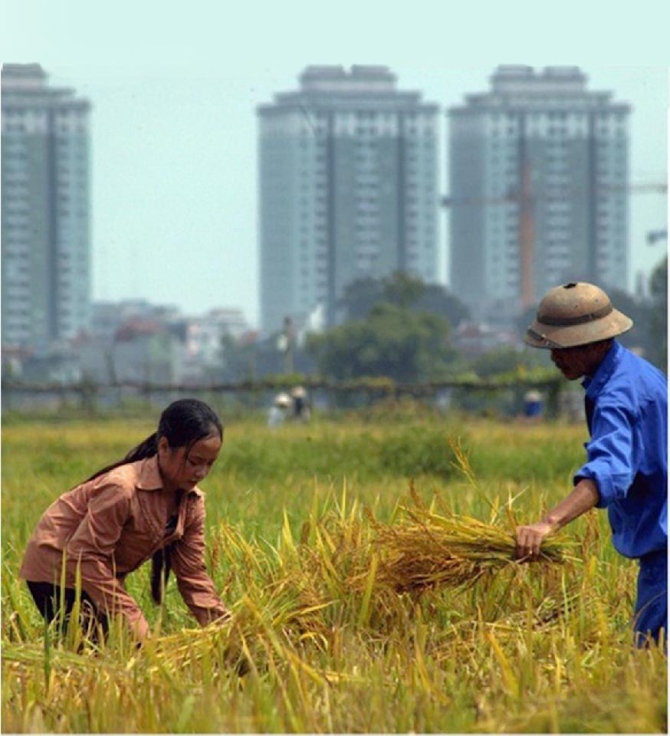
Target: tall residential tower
[538, 184]
[46, 272]
[348, 189]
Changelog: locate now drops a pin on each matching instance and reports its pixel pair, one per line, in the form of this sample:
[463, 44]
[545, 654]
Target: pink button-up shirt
[108, 526]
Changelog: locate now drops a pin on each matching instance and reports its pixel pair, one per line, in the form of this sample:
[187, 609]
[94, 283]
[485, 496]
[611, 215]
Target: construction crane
[655, 235]
[526, 199]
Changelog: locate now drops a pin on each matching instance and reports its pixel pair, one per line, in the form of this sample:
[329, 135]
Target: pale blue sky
[174, 88]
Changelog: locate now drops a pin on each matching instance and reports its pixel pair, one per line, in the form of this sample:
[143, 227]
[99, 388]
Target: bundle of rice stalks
[430, 549]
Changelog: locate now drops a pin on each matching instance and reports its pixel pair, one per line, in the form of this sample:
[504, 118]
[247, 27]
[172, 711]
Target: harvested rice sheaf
[429, 549]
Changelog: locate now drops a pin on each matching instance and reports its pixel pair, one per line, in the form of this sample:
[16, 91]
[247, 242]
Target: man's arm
[583, 497]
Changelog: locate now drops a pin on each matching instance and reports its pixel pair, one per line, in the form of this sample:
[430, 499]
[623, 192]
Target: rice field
[368, 561]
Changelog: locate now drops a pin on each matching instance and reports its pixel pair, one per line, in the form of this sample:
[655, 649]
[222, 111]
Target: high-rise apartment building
[46, 271]
[538, 179]
[348, 189]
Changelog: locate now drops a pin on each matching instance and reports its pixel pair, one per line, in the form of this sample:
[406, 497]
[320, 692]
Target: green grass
[301, 524]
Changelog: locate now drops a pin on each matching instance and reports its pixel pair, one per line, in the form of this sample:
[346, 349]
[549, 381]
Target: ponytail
[161, 564]
[160, 572]
[146, 448]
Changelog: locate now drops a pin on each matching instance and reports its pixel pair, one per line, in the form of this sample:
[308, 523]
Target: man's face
[579, 361]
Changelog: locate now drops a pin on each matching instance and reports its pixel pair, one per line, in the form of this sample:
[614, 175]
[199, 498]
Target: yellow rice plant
[341, 572]
[427, 550]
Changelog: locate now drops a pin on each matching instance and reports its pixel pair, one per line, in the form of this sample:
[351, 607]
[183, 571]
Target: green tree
[361, 296]
[441, 301]
[500, 360]
[392, 341]
[402, 289]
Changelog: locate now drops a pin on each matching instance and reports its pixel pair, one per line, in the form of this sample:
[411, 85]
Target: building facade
[348, 189]
[538, 190]
[46, 244]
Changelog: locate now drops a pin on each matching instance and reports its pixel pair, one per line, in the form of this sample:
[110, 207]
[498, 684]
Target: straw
[428, 549]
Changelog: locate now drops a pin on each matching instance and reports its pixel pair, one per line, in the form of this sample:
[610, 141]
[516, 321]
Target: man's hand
[529, 538]
[583, 497]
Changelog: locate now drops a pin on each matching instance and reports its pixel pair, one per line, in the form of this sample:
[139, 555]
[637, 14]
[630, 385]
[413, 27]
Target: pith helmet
[282, 399]
[575, 314]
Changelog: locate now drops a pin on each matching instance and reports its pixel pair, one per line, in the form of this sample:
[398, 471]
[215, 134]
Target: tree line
[402, 329]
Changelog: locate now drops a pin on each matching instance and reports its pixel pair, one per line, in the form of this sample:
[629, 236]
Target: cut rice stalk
[431, 550]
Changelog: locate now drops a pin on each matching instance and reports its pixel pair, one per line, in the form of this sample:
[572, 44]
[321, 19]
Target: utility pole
[285, 345]
[526, 238]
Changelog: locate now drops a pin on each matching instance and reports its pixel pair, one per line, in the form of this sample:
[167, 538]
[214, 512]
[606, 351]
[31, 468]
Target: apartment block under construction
[538, 190]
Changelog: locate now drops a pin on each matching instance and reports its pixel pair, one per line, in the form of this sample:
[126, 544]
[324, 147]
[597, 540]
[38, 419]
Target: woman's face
[185, 469]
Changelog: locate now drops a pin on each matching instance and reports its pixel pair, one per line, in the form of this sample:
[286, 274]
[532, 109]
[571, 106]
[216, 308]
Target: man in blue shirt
[626, 470]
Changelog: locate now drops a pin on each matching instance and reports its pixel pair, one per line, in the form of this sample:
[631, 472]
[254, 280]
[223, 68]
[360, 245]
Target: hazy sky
[175, 86]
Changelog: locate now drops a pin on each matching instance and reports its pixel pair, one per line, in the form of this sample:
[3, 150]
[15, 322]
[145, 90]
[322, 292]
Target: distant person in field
[626, 469]
[301, 411]
[532, 406]
[146, 506]
[279, 410]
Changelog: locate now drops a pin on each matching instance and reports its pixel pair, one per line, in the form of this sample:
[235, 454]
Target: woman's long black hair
[183, 423]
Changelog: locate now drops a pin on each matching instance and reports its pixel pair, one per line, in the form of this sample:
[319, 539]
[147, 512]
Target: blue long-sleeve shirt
[627, 455]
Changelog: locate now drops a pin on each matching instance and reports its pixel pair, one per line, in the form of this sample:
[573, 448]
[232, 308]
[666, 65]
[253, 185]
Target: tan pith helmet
[282, 399]
[575, 314]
